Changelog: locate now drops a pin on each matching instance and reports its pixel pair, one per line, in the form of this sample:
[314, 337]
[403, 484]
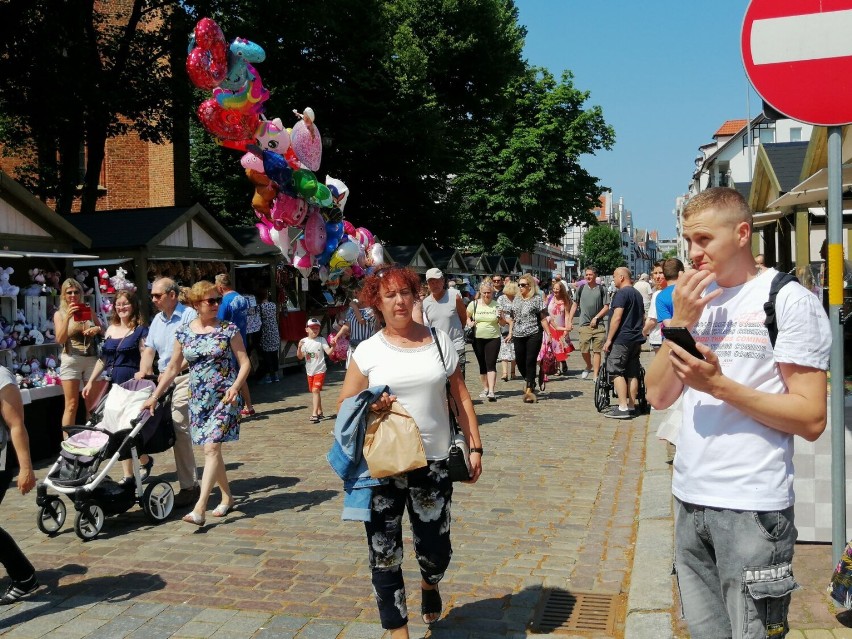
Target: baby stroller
[117, 430]
[604, 388]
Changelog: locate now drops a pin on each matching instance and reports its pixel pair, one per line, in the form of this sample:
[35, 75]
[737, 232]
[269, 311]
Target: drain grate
[562, 610]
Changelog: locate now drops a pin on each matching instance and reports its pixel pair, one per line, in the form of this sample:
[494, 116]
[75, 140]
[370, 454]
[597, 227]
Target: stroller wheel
[51, 516]
[89, 521]
[158, 501]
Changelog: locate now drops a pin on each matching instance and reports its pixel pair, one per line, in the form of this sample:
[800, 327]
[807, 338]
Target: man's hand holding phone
[694, 364]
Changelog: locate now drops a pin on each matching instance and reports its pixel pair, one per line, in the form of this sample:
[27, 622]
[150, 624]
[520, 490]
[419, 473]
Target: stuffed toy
[36, 374]
[48, 330]
[120, 282]
[6, 287]
[51, 376]
[37, 283]
[54, 279]
[104, 285]
[83, 278]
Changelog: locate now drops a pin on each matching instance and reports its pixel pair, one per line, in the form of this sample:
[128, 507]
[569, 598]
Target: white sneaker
[484, 393]
[585, 374]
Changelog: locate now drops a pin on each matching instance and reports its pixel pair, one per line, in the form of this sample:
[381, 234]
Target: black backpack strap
[778, 282]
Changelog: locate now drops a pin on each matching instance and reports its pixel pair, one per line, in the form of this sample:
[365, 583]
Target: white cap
[434, 274]
[313, 322]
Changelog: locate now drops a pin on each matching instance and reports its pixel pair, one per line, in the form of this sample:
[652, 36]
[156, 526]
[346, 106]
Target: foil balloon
[349, 229]
[364, 237]
[378, 254]
[272, 136]
[225, 124]
[306, 140]
[264, 191]
[263, 231]
[249, 99]
[339, 191]
[323, 196]
[302, 259]
[305, 183]
[289, 210]
[315, 234]
[276, 168]
[323, 274]
[347, 253]
[207, 62]
[240, 53]
[357, 271]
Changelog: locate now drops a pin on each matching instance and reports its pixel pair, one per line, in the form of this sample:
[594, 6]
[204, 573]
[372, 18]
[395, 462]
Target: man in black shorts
[624, 342]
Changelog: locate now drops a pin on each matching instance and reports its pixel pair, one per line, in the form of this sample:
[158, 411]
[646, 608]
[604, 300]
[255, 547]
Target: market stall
[37, 248]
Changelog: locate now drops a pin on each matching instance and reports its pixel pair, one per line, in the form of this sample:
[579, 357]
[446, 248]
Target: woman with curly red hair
[405, 357]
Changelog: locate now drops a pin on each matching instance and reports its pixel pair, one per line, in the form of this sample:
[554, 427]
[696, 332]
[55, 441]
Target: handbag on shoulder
[458, 455]
[392, 443]
[469, 331]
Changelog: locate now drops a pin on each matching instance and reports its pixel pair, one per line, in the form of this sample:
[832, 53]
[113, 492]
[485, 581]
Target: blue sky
[666, 73]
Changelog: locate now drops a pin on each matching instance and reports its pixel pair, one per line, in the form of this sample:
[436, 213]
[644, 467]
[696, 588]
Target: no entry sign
[798, 56]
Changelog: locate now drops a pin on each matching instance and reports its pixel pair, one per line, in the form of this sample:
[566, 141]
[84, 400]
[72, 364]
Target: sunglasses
[213, 301]
[522, 285]
[77, 293]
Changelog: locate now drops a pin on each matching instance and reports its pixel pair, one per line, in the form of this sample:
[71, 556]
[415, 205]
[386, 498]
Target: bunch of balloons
[280, 162]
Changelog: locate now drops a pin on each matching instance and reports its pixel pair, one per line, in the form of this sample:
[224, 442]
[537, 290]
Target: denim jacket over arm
[347, 454]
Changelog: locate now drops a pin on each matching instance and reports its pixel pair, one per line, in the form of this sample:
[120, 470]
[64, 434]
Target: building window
[796, 134]
[763, 133]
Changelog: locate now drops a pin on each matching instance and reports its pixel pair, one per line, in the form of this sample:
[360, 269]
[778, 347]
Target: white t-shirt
[726, 459]
[314, 349]
[418, 380]
[443, 315]
[645, 289]
[655, 337]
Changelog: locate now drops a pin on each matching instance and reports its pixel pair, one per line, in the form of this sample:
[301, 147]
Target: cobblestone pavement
[556, 507]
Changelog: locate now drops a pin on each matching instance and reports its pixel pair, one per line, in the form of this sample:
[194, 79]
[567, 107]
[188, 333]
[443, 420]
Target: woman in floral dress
[210, 347]
[558, 305]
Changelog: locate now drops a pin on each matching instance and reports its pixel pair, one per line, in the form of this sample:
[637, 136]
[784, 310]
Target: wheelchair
[605, 389]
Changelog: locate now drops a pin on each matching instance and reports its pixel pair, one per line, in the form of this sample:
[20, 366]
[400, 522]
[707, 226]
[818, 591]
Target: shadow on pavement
[490, 418]
[267, 412]
[115, 588]
[510, 614]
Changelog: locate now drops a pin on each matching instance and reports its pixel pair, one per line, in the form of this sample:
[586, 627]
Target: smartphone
[683, 338]
[83, 314]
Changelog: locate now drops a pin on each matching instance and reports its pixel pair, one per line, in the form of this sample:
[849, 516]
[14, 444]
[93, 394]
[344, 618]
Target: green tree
[602, 249]
[670, 253]
[524, 182]
[76, 74]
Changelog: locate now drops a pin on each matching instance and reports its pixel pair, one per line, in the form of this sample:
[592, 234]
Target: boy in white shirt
[313, 350]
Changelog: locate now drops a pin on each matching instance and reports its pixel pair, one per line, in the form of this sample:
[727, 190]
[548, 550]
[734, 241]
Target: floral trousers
[426, 493]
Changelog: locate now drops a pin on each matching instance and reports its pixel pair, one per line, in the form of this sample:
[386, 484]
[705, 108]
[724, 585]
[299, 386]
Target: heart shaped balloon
[207, 62]
[226, 124]
[306, 143]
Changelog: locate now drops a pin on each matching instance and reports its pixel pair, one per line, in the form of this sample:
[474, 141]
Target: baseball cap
[644, 276]
[434, 274]
[313, 322]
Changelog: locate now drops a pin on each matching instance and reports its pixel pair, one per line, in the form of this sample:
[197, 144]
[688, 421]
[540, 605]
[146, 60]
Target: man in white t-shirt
[733, 471]
[445, 309]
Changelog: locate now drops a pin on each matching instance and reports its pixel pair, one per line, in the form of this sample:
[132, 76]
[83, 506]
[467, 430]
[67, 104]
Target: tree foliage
[602, 249]
[76, 74]
[428, 111]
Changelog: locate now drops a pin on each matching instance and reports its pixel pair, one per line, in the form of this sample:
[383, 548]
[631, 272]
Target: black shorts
[623, 360]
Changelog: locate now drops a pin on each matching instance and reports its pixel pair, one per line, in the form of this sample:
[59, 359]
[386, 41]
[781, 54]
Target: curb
[650, 601]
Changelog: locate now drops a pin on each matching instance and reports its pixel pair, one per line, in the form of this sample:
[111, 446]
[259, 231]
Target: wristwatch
[476, 450]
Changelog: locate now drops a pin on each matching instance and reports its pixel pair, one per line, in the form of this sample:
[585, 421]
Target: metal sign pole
[835, 301]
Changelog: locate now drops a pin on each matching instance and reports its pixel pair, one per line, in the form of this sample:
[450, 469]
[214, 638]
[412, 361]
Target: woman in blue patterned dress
[211, 348]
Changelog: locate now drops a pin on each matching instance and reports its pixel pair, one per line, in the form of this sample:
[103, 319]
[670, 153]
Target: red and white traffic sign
[798, 56]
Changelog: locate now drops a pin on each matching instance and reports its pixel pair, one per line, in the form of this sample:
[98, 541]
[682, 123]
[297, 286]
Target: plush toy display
[6, 286]
[120, 283]
[104, 284]
[83, 278]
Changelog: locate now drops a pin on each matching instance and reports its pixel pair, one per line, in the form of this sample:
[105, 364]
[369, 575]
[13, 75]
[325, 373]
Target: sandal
[321, 416]
[431, 604]
[192, 518]
[505, 378]
[145, 469]
[315, 419]
[222, 509]
[246, 412]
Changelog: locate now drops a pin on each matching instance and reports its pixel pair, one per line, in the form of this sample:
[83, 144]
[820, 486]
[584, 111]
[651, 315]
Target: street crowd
[746, 384]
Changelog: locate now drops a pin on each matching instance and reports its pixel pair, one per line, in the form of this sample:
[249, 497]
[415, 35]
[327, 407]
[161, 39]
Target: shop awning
[812, 190]
[59, 256]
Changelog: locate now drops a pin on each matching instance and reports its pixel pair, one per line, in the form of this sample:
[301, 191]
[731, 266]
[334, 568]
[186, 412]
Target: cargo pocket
[767, 591]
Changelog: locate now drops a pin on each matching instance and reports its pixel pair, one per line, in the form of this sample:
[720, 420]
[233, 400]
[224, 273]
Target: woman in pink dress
[558, 304]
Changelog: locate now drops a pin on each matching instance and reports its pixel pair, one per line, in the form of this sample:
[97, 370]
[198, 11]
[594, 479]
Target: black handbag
[469, 331]
[458, 454]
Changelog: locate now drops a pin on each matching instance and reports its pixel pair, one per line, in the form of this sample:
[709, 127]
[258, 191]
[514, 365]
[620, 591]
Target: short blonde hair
[728, 203]
[510, 288]
[200, 291]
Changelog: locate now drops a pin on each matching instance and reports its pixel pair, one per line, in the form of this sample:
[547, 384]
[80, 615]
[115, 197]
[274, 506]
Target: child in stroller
[117, 430]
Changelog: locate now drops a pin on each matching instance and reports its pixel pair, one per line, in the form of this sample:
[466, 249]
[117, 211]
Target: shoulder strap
[771, 322]
[452, 409]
